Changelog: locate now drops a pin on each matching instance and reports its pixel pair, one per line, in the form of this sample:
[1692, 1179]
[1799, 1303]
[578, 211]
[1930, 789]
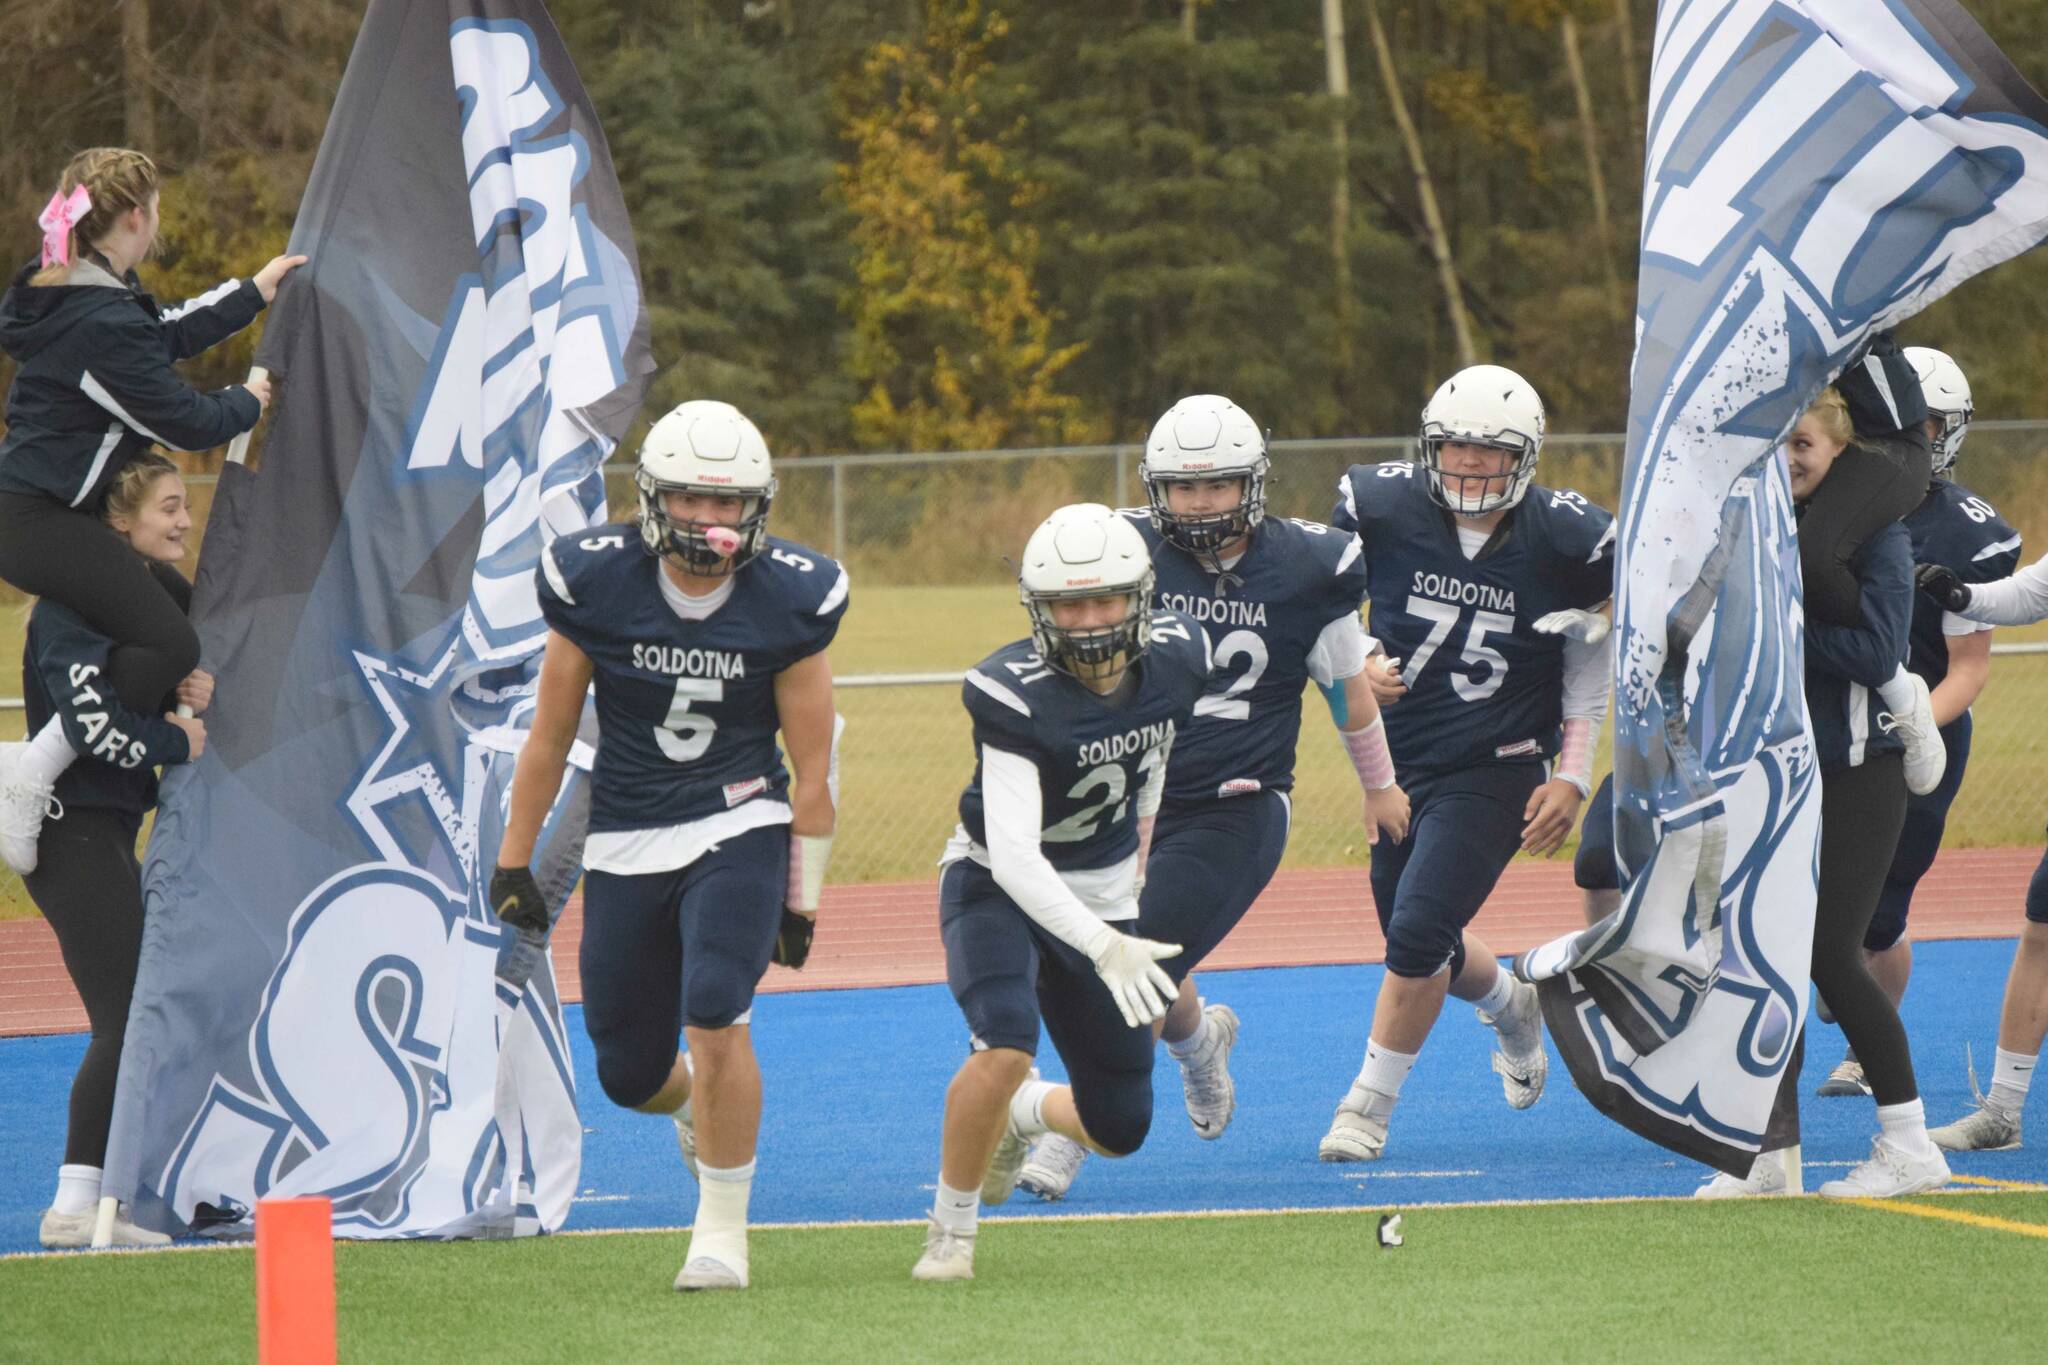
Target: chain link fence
[928, 540]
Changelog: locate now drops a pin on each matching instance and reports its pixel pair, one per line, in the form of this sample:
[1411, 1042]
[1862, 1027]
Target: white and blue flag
[1817, 171]
[326, 1004]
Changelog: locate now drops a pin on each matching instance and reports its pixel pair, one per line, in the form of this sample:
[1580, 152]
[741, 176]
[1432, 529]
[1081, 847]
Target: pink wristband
[1370, 755]
[1575, 759]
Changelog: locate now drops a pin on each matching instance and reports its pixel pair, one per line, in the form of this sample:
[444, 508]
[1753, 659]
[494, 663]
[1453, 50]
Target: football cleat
[686, 1137]
[72, 1231]
[709, 1272]
[1520, 1060]
[1008, 1160]
[1353, 1136]
[1205, 1077]
[948, 1255]
[1846, 1079]
[1050, 1169]
[1889, 1172]
[1766, 1177]
[1983, 1129]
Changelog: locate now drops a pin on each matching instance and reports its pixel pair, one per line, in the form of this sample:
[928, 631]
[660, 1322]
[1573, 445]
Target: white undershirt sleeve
[1588, 678]
[1013, 812]
[2017, 601]
[1340, 651]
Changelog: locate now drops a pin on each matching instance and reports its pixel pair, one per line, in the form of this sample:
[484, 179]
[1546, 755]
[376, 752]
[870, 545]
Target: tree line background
[957, 224]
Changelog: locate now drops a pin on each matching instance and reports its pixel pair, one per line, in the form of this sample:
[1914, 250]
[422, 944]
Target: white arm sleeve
[1340, 651]
[1154, 790]
[1588, 678]
[1012, 813]
[2017, 601]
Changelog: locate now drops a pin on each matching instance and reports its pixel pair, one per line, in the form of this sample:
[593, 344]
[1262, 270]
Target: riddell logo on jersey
[1239, 786]
[736, 792]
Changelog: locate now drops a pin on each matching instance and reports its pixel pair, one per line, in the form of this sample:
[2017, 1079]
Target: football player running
[1039, 881]
[1994, 1125]
[1281, 599]
[1488, 587]
[704, 635]
[1960, 531]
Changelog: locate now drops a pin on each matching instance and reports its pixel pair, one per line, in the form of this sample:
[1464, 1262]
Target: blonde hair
[1831, 412]
[118, 180]
[132, 487]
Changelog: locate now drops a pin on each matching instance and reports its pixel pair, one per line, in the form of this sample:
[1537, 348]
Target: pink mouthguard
[723, 539]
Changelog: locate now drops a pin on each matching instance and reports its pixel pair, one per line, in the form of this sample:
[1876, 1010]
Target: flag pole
[238, 449]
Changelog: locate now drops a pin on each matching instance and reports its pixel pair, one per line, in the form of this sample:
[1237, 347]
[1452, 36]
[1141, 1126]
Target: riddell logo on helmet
[1199, 464]
[1083, 582]
[716, 478]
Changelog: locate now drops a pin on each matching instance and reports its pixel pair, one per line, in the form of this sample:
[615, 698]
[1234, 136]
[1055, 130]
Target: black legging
[89, 887]
[52, 551]
[1875, 482]
[1862, 810]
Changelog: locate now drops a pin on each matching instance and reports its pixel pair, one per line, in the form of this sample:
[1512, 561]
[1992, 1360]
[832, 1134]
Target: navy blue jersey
[1263, 616]
[685, 709]
[1482, 684]
[1845, 665]
[1958, 530]
[64, 674]
[1093, 755]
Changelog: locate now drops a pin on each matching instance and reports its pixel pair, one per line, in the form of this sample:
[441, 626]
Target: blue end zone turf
[856, 1083]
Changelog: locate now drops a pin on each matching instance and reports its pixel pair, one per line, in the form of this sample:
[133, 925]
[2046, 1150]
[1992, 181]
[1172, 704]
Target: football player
[1487, 588]
[704, 635]
[1281, 601]
[1960, 531]
[1994, 1125]
[1039, 882]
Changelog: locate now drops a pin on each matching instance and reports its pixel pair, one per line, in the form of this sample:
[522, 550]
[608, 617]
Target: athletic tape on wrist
[1575, 759]
[1370, 755]
[808, 854]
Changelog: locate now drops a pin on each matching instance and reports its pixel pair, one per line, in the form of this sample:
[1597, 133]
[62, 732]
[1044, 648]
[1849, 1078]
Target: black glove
[516, 899]
[793, 939]
[1941, 584]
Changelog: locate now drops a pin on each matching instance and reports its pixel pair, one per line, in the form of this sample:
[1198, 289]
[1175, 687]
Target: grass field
[1665, 1280]
[907, 751]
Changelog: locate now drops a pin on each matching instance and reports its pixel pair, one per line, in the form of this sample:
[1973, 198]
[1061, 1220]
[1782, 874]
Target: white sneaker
[1050, 1169]
[1008, 1160]
[1846, 1079]
[710, 1272]
[686, 1136]
[1926, 759]
[1205, 1077]
[948, 1255]
[1353, 1136]
[1890, 1171]
[1983, 1129]
[1766, 1177]
[1520, 1059]
[24, 802]
[70, 1231]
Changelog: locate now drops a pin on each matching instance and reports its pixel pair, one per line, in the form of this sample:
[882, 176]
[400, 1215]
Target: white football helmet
[1205, 437]
[1086, 550]
[1948, 402]
[704, 446]
[1483, 405]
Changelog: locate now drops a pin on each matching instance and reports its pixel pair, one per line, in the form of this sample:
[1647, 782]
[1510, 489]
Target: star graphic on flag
[408, 766]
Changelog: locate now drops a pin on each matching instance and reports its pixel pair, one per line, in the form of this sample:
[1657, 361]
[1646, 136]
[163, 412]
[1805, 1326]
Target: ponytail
[116, 180]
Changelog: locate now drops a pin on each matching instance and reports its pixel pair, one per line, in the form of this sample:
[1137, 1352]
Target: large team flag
[326, 1004]
[1817, 170]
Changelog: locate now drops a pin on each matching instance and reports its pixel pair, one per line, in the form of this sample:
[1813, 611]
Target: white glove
[1129, 967]
[1587, 627]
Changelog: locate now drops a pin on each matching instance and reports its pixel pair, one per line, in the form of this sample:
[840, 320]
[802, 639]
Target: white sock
[48, 754]
[2010, 1075]
[956, 1210]
[1496, 999]
[78, 1189]
[1027, 1107]
[721, 1227]
[1898, 692]
[1380, 1079]
[1190, 1045]
[1906, 1125]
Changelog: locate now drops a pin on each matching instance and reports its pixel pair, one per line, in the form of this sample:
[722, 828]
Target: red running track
[888, 934]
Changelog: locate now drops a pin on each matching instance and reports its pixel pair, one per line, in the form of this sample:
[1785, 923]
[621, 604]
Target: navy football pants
[1463, 828]
[664, 948]
[1209, 862]
[1006, 973]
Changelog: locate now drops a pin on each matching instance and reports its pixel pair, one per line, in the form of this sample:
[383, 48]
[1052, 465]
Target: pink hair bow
[60, 215]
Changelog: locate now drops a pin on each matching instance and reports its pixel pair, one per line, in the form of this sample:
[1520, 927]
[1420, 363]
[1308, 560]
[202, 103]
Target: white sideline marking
[1408, 1175]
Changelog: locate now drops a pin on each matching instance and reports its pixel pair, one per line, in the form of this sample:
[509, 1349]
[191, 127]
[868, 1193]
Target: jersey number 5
[1443, 617]
[686, 734]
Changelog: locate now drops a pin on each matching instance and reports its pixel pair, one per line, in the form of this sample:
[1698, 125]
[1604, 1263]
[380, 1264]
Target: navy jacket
[95, 386]
[1845, 665]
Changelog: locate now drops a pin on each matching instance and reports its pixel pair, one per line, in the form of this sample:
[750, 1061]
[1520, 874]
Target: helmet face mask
[1948, 403]
[710, 449]
[1204, 438]
[1483, 405]
[1083, 553]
